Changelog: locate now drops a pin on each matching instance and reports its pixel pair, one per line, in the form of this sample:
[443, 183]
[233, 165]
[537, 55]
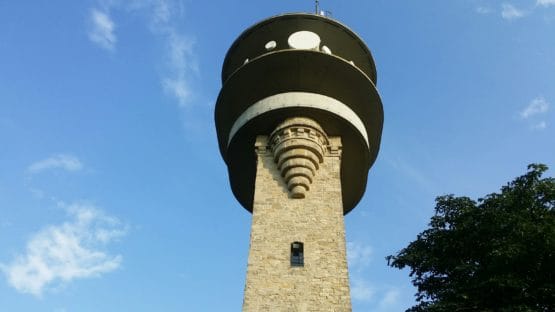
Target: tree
[493, 254]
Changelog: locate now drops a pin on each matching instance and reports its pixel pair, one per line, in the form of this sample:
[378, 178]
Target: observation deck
[299, 65]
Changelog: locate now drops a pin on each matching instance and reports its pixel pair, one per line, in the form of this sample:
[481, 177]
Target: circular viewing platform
[299, 65]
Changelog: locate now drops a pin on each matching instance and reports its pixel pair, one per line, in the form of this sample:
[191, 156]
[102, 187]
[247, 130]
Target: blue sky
[113, 195]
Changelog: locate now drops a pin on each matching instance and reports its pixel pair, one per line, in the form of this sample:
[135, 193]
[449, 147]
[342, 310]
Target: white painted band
[299, 99]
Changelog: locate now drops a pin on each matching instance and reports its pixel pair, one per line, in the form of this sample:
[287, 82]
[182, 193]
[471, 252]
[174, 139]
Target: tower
[299, 124]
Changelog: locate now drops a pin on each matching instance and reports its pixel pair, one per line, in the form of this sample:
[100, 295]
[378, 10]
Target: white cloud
[162, 12]
[540, 125]
[179, 88]
[362, 291]
[382, 298]
[102, 30]
[180, 52]
[180, 59]
[545, 3]
[58, 254]
[358, 255]
[180, 64]
[164, 19]
[537, 106]
[510, 12]
[61, 161]
[483, 10]
[390, 300]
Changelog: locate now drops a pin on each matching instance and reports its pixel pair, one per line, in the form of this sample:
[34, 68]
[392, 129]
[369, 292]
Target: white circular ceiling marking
[304, 40]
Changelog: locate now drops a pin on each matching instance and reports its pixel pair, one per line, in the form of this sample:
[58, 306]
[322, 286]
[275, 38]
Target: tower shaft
[276, 281]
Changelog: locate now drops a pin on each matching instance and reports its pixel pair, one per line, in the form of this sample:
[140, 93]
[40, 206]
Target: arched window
[297, 254]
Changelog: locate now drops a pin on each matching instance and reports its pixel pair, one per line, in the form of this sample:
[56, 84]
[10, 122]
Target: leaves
[493, 254]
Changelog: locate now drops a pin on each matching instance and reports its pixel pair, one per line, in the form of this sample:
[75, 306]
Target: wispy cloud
[102, 30]
[59, 254]
[390, 301]
[180, 59]
[361, 290]
[180, 64]
[379, 298]
[179, 88]
[510, 12]
[537, 106]
[61, 161]
[545, 3]
[368, 295]
[358, 255]
[375, 297]
[164, 19]
[483, 10]
[540, 126]
[410, 171]
[534, 113]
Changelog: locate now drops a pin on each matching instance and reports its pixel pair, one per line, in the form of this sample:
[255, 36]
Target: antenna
[318, 11]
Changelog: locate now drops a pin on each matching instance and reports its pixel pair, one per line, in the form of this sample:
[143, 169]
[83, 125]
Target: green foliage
[494, 254]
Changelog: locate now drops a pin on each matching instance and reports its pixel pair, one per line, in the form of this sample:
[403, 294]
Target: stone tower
[299, 124]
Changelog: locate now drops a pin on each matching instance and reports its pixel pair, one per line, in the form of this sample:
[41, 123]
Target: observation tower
[299, 122]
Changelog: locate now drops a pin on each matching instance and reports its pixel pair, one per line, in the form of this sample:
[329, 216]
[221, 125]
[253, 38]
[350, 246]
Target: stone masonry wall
[279, 220]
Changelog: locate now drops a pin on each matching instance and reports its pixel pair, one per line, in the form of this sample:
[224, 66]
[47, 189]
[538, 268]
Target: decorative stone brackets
[299, 146]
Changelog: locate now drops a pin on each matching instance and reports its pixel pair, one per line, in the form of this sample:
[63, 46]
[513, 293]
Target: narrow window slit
[297, 254]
